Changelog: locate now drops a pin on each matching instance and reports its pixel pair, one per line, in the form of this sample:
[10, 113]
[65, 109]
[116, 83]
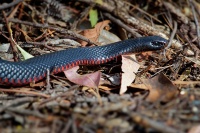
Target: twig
[5, 5]
[119, 22]
[81, 17]
[17, 102]
[162, 69]
[12, 42]
[64, 94]
[48, 87]
[172, 35]
[24, 92]
[145, 121]
[195, 4]
[142, 11]
[196, 22]
[174, 10]
[67, 126]
[25, 112]
[103, 6]
[45, 26]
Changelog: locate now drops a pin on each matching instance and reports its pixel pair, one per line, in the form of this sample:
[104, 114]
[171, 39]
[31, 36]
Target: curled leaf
[90, 80]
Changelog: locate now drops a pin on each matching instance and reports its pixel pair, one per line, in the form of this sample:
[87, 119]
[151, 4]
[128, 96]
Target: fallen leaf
[107, 37]
[99, 2]
[129, 68]
[139, 86]
[195, 129]
[93, 16]
[90, 80]
[115, 79]
[160, 88]
[4, 47]
[93, 34]
[25, 54]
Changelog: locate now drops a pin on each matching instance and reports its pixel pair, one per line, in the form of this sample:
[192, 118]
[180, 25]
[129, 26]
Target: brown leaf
[195, 129]
[161, 88]
[90, 80]
[129, 68]
[93, 34]
[107, 37]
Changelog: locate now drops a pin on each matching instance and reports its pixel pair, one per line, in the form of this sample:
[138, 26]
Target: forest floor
[154, 91]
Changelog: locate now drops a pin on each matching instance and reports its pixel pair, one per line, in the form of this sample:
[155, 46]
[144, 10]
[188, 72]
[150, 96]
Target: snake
[36, 68]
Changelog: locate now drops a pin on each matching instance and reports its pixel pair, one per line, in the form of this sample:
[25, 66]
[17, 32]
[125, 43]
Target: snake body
[34, 69]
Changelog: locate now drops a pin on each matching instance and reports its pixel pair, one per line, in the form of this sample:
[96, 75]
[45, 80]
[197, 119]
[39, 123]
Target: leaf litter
[159, 91]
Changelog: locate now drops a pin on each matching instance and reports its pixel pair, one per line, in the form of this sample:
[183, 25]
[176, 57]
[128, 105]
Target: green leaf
[93, 14]
[24, 53]
[99, 2]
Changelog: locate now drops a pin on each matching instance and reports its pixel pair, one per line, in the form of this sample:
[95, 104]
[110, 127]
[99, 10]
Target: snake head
[152, 43]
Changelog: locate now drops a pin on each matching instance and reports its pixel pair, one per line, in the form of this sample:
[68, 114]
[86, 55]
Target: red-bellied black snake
[34, 69]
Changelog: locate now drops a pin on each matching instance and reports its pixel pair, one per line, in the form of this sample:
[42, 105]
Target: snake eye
[158, 43]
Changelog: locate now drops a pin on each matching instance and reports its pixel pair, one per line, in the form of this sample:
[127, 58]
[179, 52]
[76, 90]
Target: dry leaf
[4, 47]
[195, 129]
[129, 68]
[90, 80]
[161, 88]
[115, 79]
[93, 34]
[107, 37]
